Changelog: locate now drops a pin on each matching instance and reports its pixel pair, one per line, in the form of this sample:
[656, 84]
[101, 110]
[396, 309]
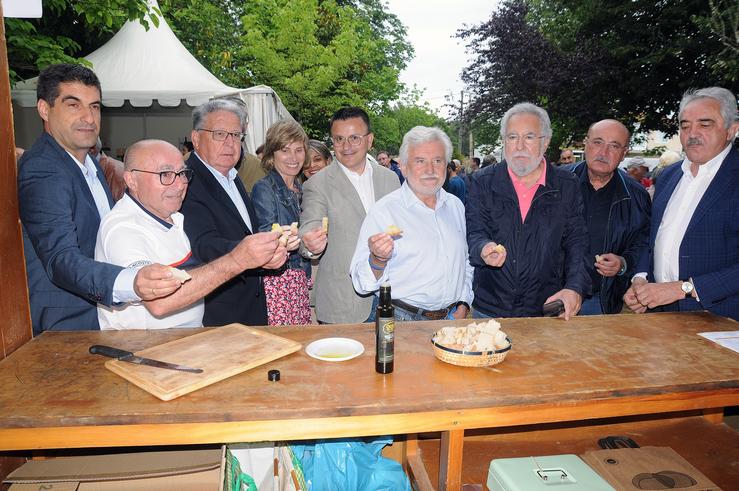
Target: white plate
[335, 349]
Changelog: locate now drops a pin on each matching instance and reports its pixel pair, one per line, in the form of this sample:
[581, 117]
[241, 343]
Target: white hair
[424, 134]
[527, 108]
[725, 98]
[231, 105]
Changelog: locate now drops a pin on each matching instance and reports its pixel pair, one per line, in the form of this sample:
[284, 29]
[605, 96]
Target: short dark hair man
[566, 157]
[616, 211]
[62, 197]
[343, 193]
[526, 234]
[694, 240]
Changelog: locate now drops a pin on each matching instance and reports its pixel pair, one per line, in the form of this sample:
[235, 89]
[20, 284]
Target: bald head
[156, 176]
[605, 147]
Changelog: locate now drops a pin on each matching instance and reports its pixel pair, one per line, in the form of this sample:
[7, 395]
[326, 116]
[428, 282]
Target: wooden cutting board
[220, 352]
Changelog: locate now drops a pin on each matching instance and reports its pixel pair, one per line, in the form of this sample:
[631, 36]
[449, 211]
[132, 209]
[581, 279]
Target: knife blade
[129, 357]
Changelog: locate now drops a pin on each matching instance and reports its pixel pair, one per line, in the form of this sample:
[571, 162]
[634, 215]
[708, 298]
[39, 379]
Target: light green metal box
[547, 473]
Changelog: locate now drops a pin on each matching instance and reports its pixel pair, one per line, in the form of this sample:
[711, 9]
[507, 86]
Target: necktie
[98, 193]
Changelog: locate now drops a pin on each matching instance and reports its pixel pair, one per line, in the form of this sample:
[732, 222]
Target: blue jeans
[373, 311]
[476, 314]
[591, 306]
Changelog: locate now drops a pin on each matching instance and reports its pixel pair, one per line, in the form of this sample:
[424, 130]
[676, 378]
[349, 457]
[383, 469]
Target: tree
[392, 123]
[584, 60]
[67, 31]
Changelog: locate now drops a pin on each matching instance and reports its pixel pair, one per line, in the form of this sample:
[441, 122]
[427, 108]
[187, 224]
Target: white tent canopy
[141, 68]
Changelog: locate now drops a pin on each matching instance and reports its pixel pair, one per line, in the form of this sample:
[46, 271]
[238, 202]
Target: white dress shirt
[228, 185]
[678, 213]
[429, 267]
[363, 184]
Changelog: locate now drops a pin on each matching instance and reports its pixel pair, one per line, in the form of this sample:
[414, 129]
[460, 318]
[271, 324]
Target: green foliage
[392, 123]
[69, 30]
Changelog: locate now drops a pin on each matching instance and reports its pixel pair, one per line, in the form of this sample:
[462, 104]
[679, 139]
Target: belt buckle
[436, 314]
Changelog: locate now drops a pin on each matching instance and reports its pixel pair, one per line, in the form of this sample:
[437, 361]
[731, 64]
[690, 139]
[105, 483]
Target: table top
[588, 367]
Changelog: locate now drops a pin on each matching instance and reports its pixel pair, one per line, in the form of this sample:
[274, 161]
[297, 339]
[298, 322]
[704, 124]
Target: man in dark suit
[693, 262]
[62, 197]
[219, 213]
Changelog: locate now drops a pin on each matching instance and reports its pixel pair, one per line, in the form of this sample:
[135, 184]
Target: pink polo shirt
[526, 194]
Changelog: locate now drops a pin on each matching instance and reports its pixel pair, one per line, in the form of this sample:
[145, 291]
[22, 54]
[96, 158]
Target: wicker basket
[471, 358]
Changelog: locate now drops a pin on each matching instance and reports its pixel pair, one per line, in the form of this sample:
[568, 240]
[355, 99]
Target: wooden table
[53, 394]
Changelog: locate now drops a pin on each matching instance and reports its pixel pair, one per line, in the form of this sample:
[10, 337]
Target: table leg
[450, 465]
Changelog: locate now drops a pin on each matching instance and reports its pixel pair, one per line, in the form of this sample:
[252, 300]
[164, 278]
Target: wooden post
[15, 328]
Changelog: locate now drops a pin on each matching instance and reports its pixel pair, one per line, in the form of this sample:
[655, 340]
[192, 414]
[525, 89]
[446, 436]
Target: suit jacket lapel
[74, 170]
[249, 205]
[343, 187]
[724, 181]
[214, 188]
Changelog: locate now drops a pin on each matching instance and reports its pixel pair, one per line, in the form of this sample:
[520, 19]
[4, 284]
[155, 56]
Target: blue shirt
[429, 266]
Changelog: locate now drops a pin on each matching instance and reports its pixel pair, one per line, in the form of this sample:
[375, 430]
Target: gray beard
[525, 171]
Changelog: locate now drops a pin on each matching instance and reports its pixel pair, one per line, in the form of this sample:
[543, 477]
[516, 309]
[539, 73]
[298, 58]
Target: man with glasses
[616, 210]
[526, 233]
[145, 226]
[220, 213]
[62, 197]
[343, 194]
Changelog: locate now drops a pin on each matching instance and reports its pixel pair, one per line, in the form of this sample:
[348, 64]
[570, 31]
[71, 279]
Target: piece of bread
[394, 231]
[324, 224]
[294, 228]
[180, 274]
[499, 249]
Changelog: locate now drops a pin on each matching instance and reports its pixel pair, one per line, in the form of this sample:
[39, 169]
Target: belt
[429, 314]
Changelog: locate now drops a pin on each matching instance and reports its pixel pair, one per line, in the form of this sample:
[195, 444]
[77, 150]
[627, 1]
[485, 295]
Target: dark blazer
[545, 253]
[214, 227]
[709, 251]
[627, 233]
[60, 225]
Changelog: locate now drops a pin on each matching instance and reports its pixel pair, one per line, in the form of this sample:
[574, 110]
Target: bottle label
[385, 339]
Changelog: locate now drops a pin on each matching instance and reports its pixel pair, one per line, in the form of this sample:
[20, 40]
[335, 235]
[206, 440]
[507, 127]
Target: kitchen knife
[129, 357]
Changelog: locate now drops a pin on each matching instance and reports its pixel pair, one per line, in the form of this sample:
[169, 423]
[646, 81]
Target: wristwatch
[687, 288]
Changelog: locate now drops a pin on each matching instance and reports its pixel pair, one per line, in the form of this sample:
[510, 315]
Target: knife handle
[99, 349]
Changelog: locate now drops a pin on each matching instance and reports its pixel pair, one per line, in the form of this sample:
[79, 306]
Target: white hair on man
[527, 108]
[424, 134]
[214, 105]
[725, 98]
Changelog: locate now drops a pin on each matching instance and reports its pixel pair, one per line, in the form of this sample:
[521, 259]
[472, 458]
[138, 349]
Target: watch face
[687, 287]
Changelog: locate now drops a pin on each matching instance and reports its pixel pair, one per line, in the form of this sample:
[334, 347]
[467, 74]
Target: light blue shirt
[429, 267]
[228, 185]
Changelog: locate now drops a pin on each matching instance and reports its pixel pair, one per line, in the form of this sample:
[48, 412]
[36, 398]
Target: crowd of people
[206, 236]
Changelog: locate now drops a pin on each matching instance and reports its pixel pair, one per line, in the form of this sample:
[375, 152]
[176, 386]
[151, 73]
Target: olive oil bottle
[385, 332]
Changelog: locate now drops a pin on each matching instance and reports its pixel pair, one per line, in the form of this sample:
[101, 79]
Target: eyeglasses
[221, 135]
[353, 140]
[528, 138]
[167, 177]
[599, 142]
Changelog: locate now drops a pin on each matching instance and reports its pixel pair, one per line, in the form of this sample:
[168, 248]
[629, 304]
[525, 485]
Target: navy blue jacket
[627, 233]
[544, 254]
[60, 226]
[709, 251]
[214, 226]
[275, 203]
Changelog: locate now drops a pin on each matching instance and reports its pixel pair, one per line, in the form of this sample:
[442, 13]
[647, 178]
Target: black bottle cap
[273, 375]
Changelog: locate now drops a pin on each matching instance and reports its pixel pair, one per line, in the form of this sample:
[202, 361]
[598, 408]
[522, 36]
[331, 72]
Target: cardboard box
[188, 470]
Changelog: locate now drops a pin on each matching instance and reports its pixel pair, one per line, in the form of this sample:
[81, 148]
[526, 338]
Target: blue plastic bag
[350, 464]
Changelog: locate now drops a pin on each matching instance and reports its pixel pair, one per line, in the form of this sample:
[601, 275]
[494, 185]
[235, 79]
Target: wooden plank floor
[711, 448]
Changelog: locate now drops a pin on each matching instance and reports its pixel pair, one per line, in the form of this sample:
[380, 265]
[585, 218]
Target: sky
[440, 57]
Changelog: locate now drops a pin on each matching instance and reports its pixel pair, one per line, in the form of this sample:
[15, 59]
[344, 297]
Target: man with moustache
[220, 213]
[616, 211]
[693, 261]
[62, 197]
[343, 193]
[432, 240]
[526, 235]
[145, 226]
